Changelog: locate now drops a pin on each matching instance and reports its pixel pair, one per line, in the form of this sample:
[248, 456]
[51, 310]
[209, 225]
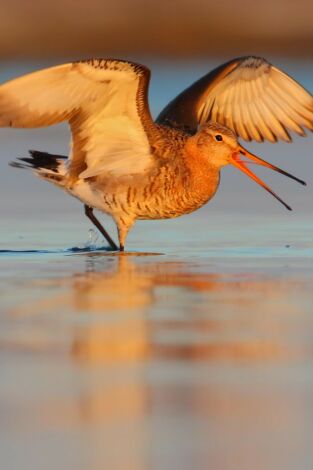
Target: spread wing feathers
[105, 102]
[249, 95]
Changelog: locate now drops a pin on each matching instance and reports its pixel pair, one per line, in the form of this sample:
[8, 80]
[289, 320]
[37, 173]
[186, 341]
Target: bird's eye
[218, 137]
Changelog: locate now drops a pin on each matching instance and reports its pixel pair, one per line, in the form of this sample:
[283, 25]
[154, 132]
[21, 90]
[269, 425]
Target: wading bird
[126, 165]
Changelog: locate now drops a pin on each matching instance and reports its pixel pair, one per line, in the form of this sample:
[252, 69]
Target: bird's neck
[203, 176]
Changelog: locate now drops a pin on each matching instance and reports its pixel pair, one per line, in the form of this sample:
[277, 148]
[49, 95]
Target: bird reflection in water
[133, 303]
[149, 341]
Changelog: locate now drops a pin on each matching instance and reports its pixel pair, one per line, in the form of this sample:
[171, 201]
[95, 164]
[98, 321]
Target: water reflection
[135, 354]
[130, 308]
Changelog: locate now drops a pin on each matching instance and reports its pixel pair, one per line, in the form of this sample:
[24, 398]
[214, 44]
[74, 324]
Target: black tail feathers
[40, 161]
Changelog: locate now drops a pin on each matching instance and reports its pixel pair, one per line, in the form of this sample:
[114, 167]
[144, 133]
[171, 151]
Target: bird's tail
[45, 165]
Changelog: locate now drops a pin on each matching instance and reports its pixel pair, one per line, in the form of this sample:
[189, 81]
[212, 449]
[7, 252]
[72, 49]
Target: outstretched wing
[105, 102]
[249, 95]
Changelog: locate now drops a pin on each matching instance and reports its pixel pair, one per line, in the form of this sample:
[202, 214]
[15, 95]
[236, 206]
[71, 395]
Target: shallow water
[195, 358]
[193, 350]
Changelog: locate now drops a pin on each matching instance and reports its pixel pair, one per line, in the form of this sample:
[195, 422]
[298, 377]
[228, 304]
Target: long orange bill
[237, 162]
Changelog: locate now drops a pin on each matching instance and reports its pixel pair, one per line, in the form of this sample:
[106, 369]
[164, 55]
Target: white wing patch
[99, 99]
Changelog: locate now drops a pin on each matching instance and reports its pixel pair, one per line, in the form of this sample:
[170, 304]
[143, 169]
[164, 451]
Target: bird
[125, 164]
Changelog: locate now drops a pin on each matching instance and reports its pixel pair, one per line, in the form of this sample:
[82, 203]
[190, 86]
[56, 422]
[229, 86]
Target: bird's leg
[123, 226]
[89, 213]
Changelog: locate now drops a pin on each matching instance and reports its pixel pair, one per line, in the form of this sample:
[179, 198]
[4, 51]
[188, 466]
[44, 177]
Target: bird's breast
[166, 193]
[169, 191]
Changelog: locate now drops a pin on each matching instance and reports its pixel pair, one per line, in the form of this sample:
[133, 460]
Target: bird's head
[216, 143]
[220, 147]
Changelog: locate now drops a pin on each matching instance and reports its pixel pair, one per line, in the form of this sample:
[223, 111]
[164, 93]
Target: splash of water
[92, 241]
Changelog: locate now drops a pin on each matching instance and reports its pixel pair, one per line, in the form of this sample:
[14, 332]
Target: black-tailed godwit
[130, 167]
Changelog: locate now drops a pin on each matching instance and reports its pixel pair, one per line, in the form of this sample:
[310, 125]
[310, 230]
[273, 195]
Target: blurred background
[184, 28]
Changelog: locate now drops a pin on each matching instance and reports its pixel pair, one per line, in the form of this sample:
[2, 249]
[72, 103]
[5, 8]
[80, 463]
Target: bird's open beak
[236, 160]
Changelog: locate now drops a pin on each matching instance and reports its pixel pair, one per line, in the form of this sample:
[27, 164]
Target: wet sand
[194, 350]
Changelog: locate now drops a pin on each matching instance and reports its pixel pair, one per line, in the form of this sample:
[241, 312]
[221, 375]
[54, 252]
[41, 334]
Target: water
[193, 350]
